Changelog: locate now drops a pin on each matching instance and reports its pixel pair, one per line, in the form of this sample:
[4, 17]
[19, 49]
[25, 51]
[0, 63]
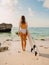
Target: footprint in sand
[46, 47]
[37, 59]
[41, 46]
[23, 64]
[19, 51]
[9, 53]
[6, 63]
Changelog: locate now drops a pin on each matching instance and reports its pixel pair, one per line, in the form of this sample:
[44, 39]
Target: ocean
[36, 33]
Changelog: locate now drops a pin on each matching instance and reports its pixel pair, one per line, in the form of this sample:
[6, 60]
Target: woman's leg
[21, 35]
[24, 45]
[23, 42]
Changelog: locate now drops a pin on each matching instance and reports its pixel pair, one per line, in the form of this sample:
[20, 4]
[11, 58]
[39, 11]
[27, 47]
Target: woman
[23, 32]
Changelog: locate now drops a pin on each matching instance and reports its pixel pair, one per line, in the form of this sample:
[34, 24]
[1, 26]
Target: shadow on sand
[44, 55]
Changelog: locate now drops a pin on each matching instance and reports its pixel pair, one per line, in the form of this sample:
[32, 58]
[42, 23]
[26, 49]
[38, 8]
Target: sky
[35, 11]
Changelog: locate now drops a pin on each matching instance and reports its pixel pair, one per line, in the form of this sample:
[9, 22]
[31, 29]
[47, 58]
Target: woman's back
[23, 25]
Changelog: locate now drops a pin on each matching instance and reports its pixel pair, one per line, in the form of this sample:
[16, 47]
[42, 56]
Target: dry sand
[15, 55]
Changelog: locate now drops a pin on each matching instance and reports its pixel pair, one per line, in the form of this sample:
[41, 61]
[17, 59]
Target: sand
[15, 56]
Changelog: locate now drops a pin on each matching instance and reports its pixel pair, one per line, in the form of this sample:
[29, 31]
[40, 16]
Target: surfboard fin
[35, 53]
[31, 49]
[34, 46]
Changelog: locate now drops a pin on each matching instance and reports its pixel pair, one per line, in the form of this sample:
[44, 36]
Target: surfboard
[30, 40]
[32, 43]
